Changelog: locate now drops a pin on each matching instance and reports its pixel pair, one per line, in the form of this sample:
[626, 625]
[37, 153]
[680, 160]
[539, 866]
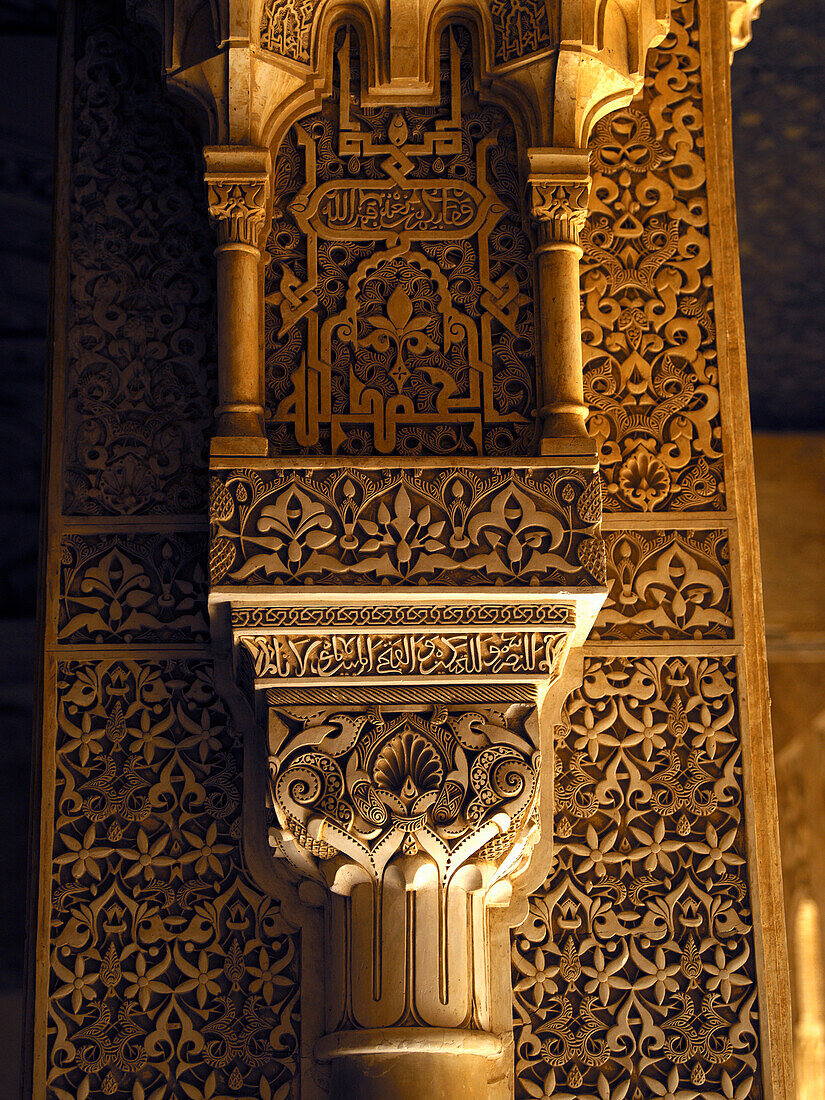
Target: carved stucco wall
[634, 975]
[167, 963]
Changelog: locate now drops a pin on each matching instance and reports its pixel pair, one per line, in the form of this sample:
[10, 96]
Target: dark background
[778, 102]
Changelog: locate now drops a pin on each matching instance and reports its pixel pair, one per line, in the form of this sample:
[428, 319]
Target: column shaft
[240, 409]
[563, 410]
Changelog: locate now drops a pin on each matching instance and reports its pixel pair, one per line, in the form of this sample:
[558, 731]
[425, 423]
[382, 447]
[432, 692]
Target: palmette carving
[560, 208]
[666, 585]
[399, 290]
[238, 208]
[650, 372]
[133, 588]
[141, 332]
[636, 969]
[413, 817]
[167, 962]
[444, 527]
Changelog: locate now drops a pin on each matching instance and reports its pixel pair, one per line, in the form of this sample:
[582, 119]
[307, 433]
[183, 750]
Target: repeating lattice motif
[634, 975]
[399, 302]
[133, 588]
[167, 963]
[141, 337]
[666, 585]
[651, 377]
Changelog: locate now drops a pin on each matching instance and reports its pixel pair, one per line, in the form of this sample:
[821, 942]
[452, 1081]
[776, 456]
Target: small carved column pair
[237, 178]
[559, 186]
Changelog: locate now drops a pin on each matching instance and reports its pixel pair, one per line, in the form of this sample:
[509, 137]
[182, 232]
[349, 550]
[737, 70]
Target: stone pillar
[559, 185]
[238, 182]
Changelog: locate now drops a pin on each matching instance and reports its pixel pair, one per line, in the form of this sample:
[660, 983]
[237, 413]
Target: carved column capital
[237, 180]
[559, 184]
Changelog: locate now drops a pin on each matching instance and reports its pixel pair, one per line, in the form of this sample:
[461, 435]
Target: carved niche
[399, 313]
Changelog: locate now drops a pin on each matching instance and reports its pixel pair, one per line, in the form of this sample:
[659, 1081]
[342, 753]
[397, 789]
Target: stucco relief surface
[399, 296]
[634, 975]
[357, 527]
[141, 335]
[167, 963]
[666, 585]
[133, 588]
[651, 376]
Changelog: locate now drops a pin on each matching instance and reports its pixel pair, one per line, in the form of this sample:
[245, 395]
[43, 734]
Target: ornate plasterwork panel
[141, 332]
[167, 961]
[402, 527]
[666, 585]
[133, 588]
[285, 26]
[399, 297]
[651, 376]
[521, 28]
[634, 975]
[169, 970]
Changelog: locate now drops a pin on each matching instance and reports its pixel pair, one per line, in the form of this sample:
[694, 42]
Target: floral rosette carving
[406, 527]
[369, 787]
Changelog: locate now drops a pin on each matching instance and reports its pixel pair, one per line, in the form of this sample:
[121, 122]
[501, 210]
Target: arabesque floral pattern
[167, 962]
[634, 974]
[666, 585]
[356, 527]
[140, 390]
[651, 377]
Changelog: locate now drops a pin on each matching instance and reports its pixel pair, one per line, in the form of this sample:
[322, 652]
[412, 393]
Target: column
[238, 183]
[559, 184]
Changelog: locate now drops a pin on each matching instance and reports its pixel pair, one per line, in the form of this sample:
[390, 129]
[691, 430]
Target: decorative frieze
[431, 525]
[408, 615]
